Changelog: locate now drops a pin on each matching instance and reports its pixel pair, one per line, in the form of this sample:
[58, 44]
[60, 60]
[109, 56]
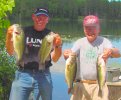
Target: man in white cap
[87, 50]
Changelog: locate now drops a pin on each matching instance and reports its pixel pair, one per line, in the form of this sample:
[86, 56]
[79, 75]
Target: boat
[114, 83]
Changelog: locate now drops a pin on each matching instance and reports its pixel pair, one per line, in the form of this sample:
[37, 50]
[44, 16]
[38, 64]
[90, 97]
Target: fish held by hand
[101, 74]
[18, 41]
[46, 47]
[70, 71]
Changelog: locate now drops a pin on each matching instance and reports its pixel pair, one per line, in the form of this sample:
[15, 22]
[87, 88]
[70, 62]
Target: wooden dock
[114, 90]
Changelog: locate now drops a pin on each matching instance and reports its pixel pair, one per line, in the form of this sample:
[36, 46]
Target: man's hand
[66, 53]
[107, 53]
[57, 41]
[57, 52]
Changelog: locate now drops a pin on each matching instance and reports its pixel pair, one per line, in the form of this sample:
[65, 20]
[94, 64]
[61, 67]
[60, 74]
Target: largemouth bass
[46, 47]
[18, 41]
[101, 74]
[70, 71]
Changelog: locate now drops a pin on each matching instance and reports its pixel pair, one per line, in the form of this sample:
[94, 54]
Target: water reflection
[75, 28]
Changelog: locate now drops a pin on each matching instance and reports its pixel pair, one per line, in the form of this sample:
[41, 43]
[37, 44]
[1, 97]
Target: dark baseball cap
[41, 11]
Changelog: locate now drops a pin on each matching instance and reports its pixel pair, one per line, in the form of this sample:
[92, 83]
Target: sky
[115, 0]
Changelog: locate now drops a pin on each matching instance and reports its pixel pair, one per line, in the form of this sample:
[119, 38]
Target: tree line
[71, 9]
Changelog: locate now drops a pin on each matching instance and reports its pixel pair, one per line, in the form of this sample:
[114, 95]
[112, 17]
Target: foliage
[6, 63]
[7, 69]
[70, 9]
[5, 7]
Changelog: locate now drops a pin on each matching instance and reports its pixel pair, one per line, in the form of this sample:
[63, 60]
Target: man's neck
[38, 28]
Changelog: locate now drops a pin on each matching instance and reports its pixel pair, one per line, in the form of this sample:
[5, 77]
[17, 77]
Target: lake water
[60, 88]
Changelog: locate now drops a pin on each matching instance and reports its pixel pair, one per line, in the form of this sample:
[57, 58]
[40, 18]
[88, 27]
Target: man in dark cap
[31, 76]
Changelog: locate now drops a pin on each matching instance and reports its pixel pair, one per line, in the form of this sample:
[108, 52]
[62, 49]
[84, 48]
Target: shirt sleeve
[76, 46]
[108, 44]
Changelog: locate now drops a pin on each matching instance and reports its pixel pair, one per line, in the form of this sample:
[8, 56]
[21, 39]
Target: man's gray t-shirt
[87, 56]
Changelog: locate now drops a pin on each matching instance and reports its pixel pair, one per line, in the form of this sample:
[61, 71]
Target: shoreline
[58, 67]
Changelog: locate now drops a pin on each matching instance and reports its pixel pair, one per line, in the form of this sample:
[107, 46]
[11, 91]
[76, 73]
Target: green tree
[69, 9]
[6, 63]
[5, 8]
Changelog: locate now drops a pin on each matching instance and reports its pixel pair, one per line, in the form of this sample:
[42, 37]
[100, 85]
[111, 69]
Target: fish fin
[75, 74]
[19, 62]
[9, 41]
[69, 90]
[100, 93]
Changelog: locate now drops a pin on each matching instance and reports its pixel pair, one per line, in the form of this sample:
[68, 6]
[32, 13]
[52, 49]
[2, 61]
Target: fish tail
[17, 62]
[100, 94]
[69, 90]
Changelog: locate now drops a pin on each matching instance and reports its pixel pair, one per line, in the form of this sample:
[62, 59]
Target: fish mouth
[17, 33]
